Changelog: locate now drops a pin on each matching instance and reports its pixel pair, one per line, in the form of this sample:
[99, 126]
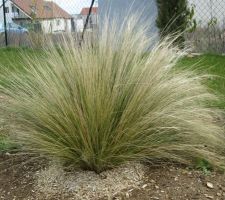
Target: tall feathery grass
[112, 101]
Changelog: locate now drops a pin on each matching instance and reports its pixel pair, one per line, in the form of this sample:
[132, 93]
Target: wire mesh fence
[24, 20]
[209, 32]
[29, 20]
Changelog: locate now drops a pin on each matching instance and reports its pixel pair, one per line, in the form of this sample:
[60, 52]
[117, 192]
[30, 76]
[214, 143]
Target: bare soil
[17, 176]
[172, 183]
[161, 183]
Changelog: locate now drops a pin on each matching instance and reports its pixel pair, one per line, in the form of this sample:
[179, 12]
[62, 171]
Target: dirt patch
[172, 183]
[18, 175]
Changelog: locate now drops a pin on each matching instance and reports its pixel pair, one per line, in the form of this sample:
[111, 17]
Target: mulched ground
[171, 183]
[16, 176]
[162, 183]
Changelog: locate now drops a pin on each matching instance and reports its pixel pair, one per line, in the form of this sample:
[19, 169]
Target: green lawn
[210, 64]
[213, 64]
[9, 56]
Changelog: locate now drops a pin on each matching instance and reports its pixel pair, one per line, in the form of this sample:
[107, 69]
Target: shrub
[175, 17]
[112, 101]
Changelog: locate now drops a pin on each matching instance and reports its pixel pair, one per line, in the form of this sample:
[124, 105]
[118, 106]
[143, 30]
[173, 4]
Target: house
[8, 12]
[78, 23]
[93, 20]
[47, 16]
[79, 20]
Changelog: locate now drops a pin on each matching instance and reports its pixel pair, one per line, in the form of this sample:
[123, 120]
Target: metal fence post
[87, 20]
[5, 24]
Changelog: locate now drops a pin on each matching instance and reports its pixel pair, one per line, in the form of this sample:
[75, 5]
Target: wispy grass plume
[110, 101]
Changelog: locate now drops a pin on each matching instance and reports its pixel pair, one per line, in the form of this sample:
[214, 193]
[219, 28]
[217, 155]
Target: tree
[174, 17]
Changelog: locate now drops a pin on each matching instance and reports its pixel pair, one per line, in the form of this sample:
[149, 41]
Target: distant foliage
[110, 101]
[175, 17]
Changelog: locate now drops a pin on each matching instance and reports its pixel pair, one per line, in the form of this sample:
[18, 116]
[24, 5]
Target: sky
[204, 8]
[73, 6]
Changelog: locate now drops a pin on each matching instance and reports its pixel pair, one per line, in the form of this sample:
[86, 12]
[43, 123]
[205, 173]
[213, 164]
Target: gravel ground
[21, 177]
[85, 185]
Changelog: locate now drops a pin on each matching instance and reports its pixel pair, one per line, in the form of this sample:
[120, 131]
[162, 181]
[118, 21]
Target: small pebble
[209, 185]
[155, 198]
[144, 186]
[208, 196]
[218, 194]
[131, 190]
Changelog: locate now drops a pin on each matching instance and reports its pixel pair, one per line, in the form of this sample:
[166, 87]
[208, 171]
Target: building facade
[45, 16]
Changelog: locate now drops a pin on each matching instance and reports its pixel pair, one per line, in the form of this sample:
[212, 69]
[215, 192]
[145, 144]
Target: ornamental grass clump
[111, 101]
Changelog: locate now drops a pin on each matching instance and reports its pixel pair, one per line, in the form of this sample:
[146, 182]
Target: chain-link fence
[208, 34]
[24, 20]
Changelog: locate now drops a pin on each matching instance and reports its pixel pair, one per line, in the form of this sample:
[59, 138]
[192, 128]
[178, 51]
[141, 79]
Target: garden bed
[18, 178]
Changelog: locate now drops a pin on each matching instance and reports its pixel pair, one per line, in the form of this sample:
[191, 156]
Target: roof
[41, 9]
[85, 11]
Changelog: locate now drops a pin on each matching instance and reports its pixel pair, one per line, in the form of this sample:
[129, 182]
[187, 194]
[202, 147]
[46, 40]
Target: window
[33, 9]
[14, 9]
[6, 9]
[47, 8]
[58, 22]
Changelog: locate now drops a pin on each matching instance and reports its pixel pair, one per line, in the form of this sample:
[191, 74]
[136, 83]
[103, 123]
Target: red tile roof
[85, 11]
[43, 9]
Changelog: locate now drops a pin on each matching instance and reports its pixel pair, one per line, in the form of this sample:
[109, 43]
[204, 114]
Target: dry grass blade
[112, 101]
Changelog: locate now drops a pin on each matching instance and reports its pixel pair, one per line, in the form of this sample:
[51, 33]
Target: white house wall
[69, 25]
[79, 23]
[8, 15]
[56, 25]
